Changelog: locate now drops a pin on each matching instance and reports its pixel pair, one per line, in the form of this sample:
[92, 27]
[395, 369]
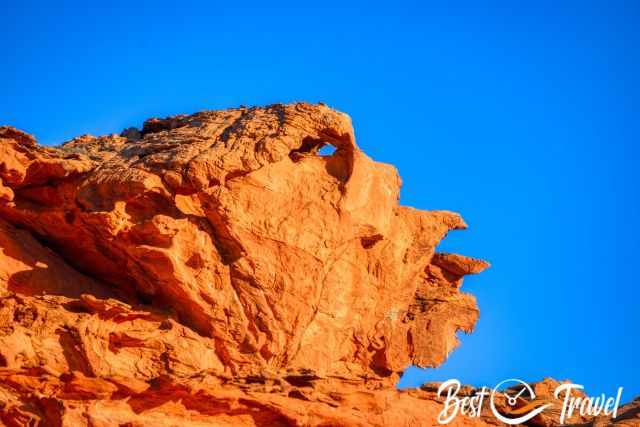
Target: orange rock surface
[216, 270]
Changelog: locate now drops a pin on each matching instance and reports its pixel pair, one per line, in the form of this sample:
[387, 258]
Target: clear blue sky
[522, 118]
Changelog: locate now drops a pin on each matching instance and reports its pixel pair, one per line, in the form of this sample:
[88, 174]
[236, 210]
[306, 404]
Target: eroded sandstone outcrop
[214, 269]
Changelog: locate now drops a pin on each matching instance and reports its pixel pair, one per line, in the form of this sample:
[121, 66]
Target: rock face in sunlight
[215, 269]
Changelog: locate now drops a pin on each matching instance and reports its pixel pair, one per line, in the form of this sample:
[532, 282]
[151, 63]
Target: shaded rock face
[214, 269]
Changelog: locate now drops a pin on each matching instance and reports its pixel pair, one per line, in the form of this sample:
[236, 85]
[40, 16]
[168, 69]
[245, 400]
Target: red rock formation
[213, 269]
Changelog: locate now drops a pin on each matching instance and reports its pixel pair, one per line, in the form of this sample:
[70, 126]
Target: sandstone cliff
[215, 269]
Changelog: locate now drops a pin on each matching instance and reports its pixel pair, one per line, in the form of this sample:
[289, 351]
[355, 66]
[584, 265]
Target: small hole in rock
[69, 217]
[369, 241]
[327, 150]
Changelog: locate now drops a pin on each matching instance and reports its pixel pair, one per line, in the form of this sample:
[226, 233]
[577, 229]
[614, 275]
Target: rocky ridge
[215, 269]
